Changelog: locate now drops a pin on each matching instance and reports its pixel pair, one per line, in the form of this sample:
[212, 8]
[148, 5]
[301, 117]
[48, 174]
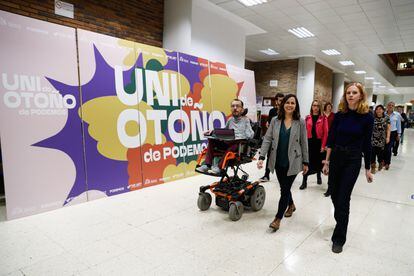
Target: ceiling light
[346, 63]
[269, 52]
[359, 72]
[250, 3]
[376, 82]
[331, 52]
[381, 86]
[370, 78]
[301, 32]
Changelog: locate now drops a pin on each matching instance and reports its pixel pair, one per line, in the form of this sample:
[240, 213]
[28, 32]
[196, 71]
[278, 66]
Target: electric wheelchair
[233, 192]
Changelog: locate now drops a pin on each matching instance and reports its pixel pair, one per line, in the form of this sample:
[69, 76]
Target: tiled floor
[160, 231]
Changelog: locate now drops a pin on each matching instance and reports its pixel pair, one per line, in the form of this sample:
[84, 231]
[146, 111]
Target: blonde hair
[362, 107]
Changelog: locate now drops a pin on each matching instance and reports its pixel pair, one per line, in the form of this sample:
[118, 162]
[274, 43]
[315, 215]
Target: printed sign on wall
[41, 133]
[134, 118]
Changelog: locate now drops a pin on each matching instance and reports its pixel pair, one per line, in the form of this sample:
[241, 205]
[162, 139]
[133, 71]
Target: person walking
[317, 133]
[272, 113]
[395, 121]
[380, 137]
[286, 140]
[349, 138]
[404, 122]
[330, 116]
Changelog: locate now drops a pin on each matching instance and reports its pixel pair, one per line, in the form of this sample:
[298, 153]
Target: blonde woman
[349, 138]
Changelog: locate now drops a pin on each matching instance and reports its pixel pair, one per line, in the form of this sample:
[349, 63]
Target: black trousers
[343, 173]
[285, 183]
[390, 147]
[397, 143]
[377, 154]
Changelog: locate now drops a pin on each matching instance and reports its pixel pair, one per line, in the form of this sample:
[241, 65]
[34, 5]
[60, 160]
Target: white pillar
[306, 84]
[338, 89]
[203, 29]
[380, 99]
[177, 25]
[369, 92]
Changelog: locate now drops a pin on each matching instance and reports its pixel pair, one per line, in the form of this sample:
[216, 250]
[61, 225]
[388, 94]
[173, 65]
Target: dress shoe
[304, 183]
[290, 210]
[275, 225]
[319, 178]
[336, 248]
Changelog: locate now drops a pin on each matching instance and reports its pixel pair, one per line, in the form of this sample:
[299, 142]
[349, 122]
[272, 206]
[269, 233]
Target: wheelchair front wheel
[236, 210]
[204, 201]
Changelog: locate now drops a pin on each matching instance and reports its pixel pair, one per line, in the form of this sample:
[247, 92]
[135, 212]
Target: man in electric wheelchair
[237, 128]
[235, 145]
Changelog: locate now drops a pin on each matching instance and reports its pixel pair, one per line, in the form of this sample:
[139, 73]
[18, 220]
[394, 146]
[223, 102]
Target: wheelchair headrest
[245, 111]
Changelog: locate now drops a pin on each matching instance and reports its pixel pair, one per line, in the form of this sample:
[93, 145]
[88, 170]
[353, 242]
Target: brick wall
[284, 71]
[136, 20]
[323, 83]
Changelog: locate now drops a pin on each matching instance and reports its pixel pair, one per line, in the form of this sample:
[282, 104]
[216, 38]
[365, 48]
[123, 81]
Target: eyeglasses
[235, 105]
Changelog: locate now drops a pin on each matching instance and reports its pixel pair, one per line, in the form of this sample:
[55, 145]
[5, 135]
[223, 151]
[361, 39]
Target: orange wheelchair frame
[233, 193]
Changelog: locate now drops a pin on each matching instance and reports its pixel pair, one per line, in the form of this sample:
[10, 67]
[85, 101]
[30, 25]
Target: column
[337, 89]
[306, 84]
[369, 92]
[380, 99]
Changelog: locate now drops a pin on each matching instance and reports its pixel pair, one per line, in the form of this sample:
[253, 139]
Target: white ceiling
[359, 29]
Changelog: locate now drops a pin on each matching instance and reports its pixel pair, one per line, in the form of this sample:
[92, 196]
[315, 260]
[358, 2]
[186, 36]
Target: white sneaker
[215, 170]
[264, 179]
[203, 169]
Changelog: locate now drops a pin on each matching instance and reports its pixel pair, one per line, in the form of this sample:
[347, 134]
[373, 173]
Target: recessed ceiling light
[370, 78]
[301, 32]
[346, 63]
[250, 3]
[269, 52]
[376, 82]
[331, 52]
[359, 72]
[381, 86]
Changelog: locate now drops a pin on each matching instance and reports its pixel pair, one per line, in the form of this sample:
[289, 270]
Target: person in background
[404, 123]
[330, 116]
[395, 121]
[272, 113]
[327, 110]
[242, 130]
[380, 137]
[317, 133]
[349, 138]
[287, 142]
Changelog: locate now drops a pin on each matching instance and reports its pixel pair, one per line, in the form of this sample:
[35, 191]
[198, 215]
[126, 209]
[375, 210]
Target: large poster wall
[86, 116]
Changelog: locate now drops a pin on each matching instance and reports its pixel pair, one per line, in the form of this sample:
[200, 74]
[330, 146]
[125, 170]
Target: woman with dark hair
[380, 137]
[349, 137]
[317, 131]
[287, 142]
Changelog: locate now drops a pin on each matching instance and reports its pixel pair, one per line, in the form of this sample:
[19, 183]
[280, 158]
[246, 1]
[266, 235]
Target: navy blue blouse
[354, 131]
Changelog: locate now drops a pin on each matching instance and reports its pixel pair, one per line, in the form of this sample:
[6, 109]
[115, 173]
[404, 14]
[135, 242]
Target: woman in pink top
[317, 132]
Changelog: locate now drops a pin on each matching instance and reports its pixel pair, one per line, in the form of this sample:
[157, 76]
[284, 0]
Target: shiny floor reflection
[159, 231]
